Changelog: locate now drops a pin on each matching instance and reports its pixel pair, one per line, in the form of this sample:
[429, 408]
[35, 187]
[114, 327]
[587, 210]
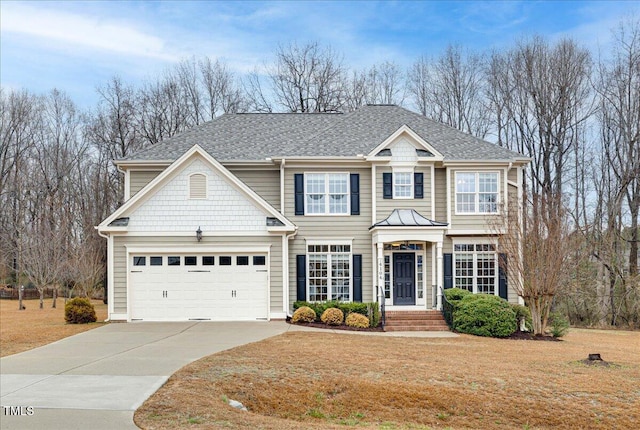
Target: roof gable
[194, 160]
[405, 132]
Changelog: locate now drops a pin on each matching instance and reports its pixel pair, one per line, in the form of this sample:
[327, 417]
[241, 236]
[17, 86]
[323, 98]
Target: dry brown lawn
[315, 380]
[33, 327]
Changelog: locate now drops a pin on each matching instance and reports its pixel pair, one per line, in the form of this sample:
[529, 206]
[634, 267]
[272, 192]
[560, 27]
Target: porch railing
[447, 309]
[381, 300]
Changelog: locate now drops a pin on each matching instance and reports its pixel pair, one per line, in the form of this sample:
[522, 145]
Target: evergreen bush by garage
[79, 311]
[484, 315]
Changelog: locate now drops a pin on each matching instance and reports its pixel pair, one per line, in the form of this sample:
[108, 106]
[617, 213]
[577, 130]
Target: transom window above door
[326, 193]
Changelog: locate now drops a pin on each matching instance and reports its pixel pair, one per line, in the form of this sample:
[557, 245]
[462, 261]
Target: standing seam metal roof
[256, 136]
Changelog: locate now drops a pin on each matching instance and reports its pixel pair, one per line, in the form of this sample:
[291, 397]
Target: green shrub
[484, 315]
[523, 314]
[357, 320]
[332, 316]
[373, 314]
[456, 294]
[345, 307]
[559, 324]
[303, 314]
[79, 311]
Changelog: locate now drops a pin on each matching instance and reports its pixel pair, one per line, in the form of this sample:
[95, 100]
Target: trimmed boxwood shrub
[370, 310]
[79, 311]
[456, 294]
[484, 315]
[357, 320]
[332, 316]
[304, 314]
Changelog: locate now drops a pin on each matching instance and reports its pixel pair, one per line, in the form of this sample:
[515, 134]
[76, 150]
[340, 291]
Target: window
[198, 186]
[402, 185]
[173, 261]
[155, 261]
[139, 261]
[242, 260]
[420, 275]
[329, 273]
[190, 261]
[208, 260]
[259, 260]
[476, 192]
[387, 276]
[225, 261]
[475, 268]
[326, 193]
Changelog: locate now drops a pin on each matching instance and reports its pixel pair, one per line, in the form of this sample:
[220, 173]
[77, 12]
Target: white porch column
[380, 269]
[439, 271]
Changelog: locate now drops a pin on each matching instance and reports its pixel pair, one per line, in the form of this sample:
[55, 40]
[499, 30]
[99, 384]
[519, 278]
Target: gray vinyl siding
[120, 263]
[354, 227]
[440, 198]
[139, 178]
[266, 183]
[384, 207]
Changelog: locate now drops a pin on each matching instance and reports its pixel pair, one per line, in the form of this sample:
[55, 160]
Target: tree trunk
[55, 296]
[41, 298]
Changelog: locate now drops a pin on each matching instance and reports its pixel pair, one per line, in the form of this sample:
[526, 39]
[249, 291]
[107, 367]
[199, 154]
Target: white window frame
[327, 194]
[476, 192]
[206, 186]
[328, 255]
[474, 264]
[396, 173]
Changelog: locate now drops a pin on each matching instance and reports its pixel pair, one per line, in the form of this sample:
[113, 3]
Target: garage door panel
[218, 292]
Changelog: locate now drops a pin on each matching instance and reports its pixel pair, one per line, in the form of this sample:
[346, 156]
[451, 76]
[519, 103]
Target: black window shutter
[298, 183]
[355, 193]
[387, 186]
[448, 270]
[418, 186]
[301, 277]
[357, 277]
[502, 276]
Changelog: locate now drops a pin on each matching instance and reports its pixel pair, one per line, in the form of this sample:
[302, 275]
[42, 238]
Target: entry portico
[402, 241]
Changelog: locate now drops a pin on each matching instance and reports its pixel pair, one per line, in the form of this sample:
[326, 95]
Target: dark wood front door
[404, 279]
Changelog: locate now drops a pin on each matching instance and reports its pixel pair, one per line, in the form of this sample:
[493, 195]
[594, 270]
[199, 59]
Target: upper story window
[198, 186]
[402, 185]
[477, 192]
[326, 193]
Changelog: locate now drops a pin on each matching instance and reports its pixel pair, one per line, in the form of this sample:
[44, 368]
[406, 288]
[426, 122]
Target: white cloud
[61, 29]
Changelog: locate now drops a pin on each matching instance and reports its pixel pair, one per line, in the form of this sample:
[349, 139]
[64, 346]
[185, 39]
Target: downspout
[285, 271]
[108, 271]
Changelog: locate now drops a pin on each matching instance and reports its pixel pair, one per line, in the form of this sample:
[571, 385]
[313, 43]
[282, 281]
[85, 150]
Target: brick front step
[415, 321]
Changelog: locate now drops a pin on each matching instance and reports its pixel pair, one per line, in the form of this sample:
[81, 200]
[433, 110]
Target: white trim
[328, 254]
[234, 233]
[110, 278]
[477, 232]
[212, 249]
[374, 199]
[404, 129]
[476, 192]
[127, 184]
[173, 170]
[448, 173]
[406, 170]
[327, 194]
[432, 201]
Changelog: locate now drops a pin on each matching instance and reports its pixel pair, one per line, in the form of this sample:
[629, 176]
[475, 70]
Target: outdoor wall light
[199, 234]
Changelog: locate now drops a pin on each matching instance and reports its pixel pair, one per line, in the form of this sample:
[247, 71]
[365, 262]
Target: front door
[404, 279]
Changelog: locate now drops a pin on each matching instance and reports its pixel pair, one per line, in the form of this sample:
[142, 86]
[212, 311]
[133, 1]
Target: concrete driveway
[97, 379]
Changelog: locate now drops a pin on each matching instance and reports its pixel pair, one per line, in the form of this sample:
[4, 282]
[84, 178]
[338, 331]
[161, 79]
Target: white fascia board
[474, 232]
[486, 164]
[111, 230]
[405, 129]
[127, 164]
[281, 229]
[168, 173]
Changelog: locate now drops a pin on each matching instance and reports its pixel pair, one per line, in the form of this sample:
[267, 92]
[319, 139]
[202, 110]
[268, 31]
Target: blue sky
[75, 46]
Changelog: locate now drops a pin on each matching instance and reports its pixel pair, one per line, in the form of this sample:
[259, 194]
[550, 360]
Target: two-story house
[239, 217]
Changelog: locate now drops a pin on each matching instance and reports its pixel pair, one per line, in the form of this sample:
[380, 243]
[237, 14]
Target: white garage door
[217, 287]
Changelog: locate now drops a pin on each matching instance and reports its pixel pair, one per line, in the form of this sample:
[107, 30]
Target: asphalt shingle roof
[256, 136]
